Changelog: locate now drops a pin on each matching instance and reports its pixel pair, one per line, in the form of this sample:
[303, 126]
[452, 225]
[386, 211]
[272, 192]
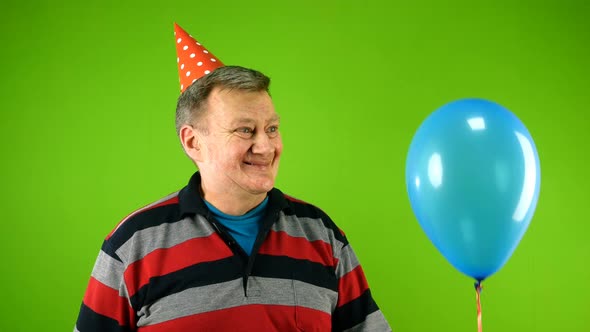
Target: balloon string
[478, 289]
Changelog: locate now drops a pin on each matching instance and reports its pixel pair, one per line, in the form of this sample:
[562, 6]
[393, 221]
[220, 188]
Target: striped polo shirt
[170, 266]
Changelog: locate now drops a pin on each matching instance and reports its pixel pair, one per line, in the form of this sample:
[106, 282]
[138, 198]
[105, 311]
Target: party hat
[194, 60]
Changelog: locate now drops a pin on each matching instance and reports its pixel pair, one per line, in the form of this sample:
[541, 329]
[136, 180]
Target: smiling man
[229, 251]
[235, 142]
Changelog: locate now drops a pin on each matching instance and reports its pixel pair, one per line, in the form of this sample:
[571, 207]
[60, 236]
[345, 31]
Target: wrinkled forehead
[241, 106]
[244, 118]
[249, 119]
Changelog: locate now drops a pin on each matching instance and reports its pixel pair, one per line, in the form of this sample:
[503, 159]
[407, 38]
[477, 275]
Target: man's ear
[191, 142]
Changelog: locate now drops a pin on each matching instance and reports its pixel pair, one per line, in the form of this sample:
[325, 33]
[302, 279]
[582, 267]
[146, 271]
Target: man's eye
[272, 130]
[244, 130]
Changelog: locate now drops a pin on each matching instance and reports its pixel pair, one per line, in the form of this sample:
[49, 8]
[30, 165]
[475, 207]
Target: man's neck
[232, 204]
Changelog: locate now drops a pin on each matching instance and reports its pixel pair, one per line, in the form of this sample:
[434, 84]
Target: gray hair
[192, 102]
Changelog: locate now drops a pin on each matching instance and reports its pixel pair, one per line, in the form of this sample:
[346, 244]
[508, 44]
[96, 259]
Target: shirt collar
[191, 202]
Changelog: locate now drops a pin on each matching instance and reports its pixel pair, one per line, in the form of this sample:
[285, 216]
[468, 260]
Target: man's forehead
[273, 117]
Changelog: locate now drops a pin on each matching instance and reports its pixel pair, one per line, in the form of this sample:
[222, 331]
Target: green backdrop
[88, 95]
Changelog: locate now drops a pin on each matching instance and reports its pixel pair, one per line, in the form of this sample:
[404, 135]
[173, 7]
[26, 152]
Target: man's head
[228, 126]
[192, 102]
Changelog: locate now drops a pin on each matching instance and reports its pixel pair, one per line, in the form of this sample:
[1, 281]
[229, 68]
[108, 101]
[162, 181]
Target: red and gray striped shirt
[171, 267]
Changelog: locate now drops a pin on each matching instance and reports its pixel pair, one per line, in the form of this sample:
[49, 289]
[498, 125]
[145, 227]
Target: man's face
[241, 146]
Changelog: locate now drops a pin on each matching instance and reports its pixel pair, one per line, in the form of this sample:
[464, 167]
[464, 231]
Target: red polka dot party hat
[194, 61]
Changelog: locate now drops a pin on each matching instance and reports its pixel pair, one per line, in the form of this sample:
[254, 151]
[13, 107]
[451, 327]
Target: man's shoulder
[299, 208]
[163, 210]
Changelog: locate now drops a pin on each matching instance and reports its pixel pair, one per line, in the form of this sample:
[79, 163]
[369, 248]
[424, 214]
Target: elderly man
[228, 252]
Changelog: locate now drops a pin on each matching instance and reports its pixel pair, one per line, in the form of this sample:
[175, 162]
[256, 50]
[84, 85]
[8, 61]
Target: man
[228, 252]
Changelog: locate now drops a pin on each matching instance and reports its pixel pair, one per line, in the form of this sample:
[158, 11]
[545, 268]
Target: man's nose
[262, 143]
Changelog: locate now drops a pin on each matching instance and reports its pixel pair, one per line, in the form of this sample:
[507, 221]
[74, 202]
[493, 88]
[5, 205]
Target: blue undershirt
[244, 228]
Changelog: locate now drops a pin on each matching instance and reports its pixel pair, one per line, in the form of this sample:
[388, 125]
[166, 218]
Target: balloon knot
[478, 286]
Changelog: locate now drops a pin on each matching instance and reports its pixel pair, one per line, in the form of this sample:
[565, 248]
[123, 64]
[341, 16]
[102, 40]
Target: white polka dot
[192, 55]
[213, 60]
[205, 51]
[181, 87]
[198, 43]
[179, 40]
[188, 73]
[182, 66]
[207, 72]
[177, 60]
[199, 63]
[194, 80]
[185, 47]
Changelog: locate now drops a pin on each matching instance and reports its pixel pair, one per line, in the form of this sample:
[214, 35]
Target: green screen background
[88, 96]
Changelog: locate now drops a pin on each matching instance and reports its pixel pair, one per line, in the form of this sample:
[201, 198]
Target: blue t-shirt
[244, 228]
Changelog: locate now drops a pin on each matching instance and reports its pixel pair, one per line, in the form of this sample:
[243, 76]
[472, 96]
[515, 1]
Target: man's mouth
[257, 164]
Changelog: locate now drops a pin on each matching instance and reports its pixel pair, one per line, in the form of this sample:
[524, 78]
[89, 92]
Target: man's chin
[261, 188]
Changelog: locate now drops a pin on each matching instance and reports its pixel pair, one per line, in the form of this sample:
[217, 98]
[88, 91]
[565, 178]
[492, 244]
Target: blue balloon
[473, 179]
